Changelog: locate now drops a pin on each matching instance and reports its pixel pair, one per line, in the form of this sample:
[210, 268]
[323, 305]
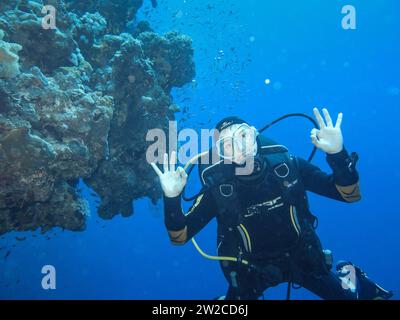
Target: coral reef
[9, 66]
[76, 103]
[118, 13]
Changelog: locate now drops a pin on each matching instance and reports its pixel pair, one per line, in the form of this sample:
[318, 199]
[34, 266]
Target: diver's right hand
[172, 181]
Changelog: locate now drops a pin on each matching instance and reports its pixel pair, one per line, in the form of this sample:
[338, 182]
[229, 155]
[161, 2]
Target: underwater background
[310, 60]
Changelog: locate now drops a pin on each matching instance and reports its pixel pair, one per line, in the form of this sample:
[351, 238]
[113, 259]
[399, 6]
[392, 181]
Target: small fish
[20, 238]
[7, 254]
[93, 194]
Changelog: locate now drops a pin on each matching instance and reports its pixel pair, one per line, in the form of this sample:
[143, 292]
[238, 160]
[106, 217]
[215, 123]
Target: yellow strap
[247, 236]
[218, 258]
[293, 221]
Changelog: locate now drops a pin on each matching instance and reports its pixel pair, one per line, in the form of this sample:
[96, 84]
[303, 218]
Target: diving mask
[239, 143]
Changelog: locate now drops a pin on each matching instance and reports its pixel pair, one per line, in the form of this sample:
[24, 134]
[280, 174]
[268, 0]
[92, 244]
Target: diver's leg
[327, 287]
[244, 287]
[244, 284]
[349, 283]
[352, 277]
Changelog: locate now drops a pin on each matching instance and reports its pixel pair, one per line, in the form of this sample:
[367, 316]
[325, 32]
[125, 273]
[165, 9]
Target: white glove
[328, 138]
[172, 181]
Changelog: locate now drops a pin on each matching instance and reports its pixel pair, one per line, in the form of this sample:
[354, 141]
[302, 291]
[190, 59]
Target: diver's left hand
[328, 138]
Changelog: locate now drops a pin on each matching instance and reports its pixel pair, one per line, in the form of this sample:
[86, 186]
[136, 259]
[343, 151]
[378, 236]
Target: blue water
[311, 61]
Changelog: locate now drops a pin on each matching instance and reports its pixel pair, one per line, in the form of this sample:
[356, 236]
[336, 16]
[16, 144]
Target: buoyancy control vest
[280, 170]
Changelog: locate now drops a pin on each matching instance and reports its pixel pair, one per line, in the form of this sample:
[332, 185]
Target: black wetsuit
[273, 245]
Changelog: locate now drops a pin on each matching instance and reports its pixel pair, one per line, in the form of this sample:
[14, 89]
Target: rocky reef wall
[76, 103]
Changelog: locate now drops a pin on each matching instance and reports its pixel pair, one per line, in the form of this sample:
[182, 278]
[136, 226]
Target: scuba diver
[266, 231]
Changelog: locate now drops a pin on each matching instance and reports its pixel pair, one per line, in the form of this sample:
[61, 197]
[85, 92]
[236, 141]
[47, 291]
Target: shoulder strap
[285, 171]
[280, 164]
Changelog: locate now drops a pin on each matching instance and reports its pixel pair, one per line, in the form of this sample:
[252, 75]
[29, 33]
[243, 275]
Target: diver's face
[237, 142]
